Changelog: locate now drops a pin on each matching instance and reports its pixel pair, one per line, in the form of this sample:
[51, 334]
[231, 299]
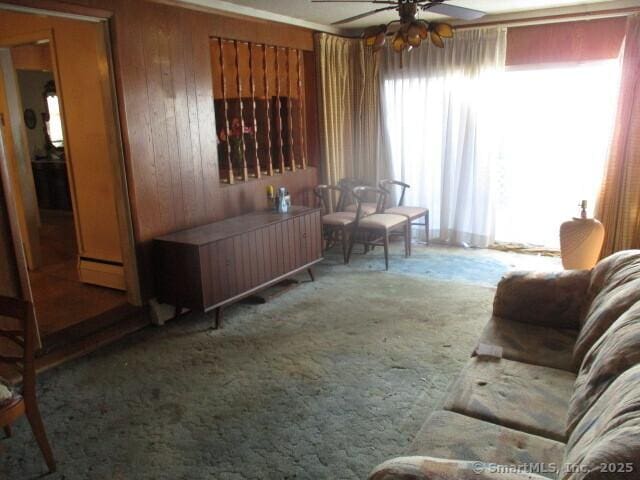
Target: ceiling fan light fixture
[409, 31]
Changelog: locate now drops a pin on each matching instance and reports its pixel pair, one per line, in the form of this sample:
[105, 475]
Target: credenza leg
[219, 317]
[178, 311]
[310, 272]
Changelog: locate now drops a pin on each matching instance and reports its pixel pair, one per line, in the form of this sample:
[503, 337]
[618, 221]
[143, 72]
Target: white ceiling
[320, 15]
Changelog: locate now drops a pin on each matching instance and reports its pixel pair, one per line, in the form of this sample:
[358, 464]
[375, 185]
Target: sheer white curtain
[439, 112]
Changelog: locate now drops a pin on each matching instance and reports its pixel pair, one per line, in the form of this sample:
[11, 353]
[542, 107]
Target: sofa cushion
[609, 433]
[533, 344]
[529, 398]
[608, 305]
[430, 468]
[458, 437]
[553, 299]
[615, 352]
[614, 270]
[6, 393]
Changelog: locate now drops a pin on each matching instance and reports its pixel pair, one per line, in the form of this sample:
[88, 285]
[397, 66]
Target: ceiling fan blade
[363, 15]
[449, 10]
[384, 2]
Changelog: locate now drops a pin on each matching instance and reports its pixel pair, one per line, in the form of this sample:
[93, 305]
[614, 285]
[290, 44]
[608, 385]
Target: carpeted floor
[323, 382]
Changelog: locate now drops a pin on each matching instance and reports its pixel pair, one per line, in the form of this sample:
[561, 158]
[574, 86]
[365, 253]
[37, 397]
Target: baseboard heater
[103, 273]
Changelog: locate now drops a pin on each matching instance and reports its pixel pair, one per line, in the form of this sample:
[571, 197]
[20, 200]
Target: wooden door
[83, 75]
[14, 277]
[18, 161]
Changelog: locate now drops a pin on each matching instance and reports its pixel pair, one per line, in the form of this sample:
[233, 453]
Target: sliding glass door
[556, 129]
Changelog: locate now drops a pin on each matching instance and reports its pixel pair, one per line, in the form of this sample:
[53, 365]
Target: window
[556, 126]
[54, 124]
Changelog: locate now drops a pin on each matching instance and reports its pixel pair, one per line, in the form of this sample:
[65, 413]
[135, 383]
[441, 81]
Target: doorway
[61, 138]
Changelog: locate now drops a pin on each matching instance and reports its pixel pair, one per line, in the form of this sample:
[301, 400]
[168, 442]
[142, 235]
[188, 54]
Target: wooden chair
[335, 223]
[18, 337]
[376, 229]
[412, 213]
[350, 204]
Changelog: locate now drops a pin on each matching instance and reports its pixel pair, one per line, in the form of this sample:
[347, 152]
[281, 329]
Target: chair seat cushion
[384, 221]
[368, 208]
[410, 212]
[529, 398]
[6, 394]
[339, 218]
[458, 437]
[533, 344]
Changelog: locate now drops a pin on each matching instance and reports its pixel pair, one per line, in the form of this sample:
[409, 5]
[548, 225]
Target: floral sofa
[556, 392]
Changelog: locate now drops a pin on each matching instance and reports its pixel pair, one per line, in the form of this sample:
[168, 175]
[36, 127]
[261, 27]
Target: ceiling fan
[411, 30]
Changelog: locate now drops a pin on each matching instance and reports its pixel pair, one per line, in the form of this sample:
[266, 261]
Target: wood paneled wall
[164, 84]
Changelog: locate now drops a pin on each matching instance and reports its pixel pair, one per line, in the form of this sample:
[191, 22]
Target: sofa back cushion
[614, 268]
[608, 435]
[553, 299]
[614, 287]
[615, 352]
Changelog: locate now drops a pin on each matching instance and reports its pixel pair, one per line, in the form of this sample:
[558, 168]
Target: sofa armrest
[553, 299]
[429, 468]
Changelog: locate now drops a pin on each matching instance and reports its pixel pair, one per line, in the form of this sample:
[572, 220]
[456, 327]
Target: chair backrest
[17, 340]
[362, 193]
[330, 197]
[348, 184]
[388, 184]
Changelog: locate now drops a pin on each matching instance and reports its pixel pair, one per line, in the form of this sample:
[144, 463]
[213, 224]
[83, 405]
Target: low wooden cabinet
[207, 267]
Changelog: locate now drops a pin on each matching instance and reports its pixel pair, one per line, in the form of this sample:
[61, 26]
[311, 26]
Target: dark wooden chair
[336, 224]
[414, 214]
[349, 202]
[17, 351]
[376, 229]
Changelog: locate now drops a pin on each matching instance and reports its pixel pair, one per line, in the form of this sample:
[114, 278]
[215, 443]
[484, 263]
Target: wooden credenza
[210, 266]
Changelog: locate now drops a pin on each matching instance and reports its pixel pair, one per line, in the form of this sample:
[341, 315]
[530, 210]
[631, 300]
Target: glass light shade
[443, 29]
[424, 30]
[437, 40]
[398, 43]
[381, 39]
[413, 34]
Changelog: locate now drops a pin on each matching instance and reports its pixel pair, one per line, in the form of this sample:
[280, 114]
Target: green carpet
[323, 382]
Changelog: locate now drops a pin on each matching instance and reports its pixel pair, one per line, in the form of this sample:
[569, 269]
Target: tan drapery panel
[349, 103]
[619, 203]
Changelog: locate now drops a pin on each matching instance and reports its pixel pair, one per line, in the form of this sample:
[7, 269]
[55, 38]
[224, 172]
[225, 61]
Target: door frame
[18, 159]
[16, 235]
[115, 141]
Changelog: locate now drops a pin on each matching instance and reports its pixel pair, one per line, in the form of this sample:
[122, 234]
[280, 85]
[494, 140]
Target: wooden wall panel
[164, 83]
[588, 40]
